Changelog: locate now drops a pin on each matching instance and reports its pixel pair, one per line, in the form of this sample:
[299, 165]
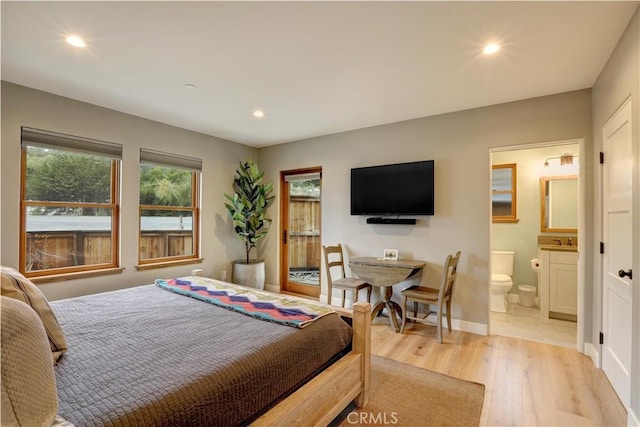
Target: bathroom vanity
[558, 275]
[558, 282]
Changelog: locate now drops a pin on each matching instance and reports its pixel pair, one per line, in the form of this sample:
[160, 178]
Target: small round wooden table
[384, 274]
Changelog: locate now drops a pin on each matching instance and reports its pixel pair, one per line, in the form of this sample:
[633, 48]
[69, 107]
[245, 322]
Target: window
[169, 214]
[503, 193]
[69, 204]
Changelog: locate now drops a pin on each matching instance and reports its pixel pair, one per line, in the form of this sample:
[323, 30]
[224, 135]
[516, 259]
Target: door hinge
[601, 247]
[601, 158]
[601, 338]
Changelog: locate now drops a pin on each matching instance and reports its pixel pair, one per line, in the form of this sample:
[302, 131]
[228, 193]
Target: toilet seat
[500, 279]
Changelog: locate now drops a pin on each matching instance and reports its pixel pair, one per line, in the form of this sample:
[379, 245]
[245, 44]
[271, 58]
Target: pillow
[28, 389]
[16, 286]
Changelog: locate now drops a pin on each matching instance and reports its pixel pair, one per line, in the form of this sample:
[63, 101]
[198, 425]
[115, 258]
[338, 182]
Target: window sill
[76, 275]
[505, 220]
[163, 264]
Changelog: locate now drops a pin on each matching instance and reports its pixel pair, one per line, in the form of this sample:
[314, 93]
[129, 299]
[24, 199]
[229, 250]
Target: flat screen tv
[397, 189]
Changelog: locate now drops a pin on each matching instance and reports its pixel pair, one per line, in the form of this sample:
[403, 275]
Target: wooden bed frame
[325, 396]
[320, 400]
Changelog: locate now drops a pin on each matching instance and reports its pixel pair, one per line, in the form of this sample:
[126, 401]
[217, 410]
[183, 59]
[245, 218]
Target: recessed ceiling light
[491, 48]
[190, 86]
[76, 41]
[258, 113]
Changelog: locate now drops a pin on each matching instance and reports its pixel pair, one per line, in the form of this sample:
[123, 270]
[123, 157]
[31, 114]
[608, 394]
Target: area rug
[405, 395]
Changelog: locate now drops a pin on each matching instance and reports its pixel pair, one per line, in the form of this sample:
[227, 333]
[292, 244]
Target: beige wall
[23, 106]
[619, 80]
[460, 145]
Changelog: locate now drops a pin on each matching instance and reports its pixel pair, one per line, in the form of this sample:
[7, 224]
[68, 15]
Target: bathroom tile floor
[524, 322]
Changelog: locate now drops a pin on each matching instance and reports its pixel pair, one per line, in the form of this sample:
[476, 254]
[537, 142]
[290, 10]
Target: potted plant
[247, 208]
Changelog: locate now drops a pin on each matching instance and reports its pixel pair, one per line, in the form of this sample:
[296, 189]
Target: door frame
[285, 285]
[582, 230]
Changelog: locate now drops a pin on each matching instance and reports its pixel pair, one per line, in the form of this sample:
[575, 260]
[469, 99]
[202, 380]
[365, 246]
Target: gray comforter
[148, 357]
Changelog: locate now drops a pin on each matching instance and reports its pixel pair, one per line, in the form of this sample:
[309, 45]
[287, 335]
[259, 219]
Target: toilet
[501, 282]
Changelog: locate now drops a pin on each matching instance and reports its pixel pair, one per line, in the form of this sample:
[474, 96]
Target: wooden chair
[430, 296]
[342, 282]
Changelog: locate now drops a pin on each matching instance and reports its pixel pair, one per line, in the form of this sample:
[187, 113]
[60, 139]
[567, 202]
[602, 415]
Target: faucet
[570, 241]
[559, 241]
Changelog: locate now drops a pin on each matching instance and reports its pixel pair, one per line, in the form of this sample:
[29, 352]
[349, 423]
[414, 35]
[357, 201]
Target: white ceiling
[315, 68]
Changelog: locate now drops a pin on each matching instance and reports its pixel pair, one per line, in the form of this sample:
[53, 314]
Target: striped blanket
[252, 302]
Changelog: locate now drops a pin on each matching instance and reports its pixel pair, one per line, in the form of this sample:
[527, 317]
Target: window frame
[512, 217]
[167, 160]
[70, 144]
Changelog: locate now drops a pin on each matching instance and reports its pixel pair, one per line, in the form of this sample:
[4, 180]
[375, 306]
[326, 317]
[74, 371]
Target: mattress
[148, 357]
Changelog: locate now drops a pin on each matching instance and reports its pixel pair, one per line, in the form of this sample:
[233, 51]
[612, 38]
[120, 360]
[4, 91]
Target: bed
[148, 356]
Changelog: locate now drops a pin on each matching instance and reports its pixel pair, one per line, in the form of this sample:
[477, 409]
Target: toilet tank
[502, 262]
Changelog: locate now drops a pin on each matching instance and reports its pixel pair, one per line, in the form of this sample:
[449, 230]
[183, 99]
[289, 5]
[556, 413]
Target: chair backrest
[333, 259]
[449, 275]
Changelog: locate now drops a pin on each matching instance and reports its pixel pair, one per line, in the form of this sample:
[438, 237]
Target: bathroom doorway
[533, 224]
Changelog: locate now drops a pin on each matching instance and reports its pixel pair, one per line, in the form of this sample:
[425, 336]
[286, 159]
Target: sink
[564, 248]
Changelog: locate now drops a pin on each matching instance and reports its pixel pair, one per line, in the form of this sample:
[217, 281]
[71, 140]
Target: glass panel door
[301, 232]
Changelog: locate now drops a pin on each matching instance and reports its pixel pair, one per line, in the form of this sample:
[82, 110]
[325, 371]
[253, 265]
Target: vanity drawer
[558, 257]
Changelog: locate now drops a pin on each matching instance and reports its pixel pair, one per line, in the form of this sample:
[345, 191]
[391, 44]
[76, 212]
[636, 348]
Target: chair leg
[329, 295]
[439, 326]
[369, 289]
[449, 315]
[344, 297]
[415, 309]
[404, 313]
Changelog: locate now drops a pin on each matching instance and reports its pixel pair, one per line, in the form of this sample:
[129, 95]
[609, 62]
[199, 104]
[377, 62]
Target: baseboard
[461, 325]
[272, 288]
[457, 324]
[591, 351]
[471, 327]
[335, 301]
[633, 420]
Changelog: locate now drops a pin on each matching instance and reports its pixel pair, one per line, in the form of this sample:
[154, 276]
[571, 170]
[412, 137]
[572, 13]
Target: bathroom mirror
[559, 204]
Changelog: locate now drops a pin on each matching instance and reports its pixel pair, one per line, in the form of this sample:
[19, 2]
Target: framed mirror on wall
[559, 204]
[503, 193]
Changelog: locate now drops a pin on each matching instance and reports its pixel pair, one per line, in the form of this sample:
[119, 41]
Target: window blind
[302, 177]
[45, 139]
[168, 159]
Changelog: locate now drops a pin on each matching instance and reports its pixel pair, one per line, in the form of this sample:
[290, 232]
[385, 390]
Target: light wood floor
[524, 322]
[527, 383]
